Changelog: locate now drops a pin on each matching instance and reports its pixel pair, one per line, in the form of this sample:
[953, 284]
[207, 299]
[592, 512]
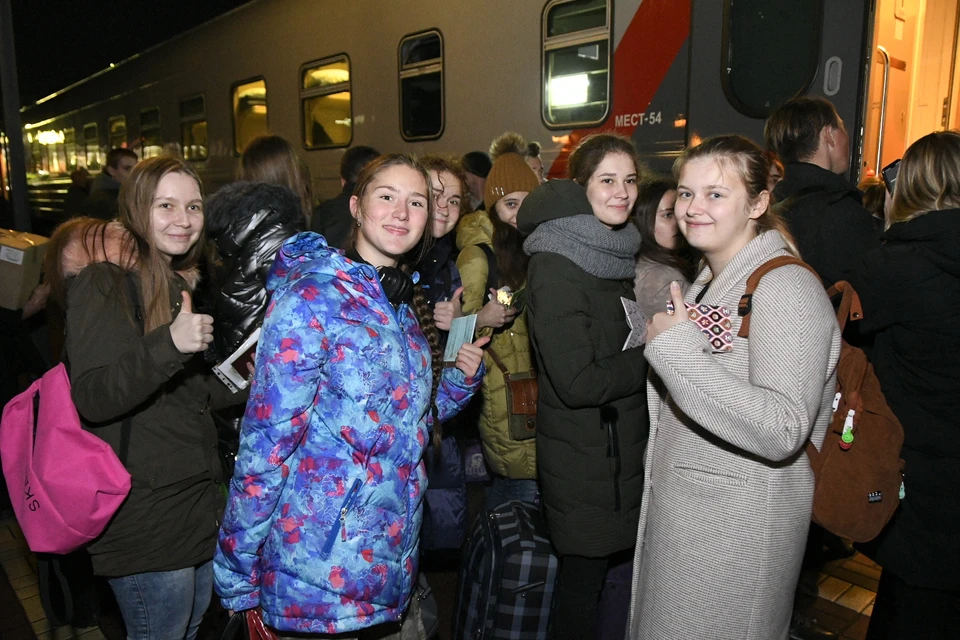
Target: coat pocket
[340, 525]
[713, 477]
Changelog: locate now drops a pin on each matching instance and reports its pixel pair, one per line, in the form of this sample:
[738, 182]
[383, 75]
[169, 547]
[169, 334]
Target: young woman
[491, 257]
[273, 160]
[664, 255]
[324, 510]
[592, 415]
[439, 276]
[910, 290]
[729, 489]
[130, 346]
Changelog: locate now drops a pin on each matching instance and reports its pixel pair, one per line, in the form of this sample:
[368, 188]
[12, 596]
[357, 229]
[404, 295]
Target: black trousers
[905, 612]
[578, 593]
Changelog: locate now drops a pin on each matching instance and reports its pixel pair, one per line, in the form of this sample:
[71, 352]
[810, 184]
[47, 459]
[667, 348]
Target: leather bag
[521, 400]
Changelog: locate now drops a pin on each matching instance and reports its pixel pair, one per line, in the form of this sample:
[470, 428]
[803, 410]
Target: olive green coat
[505, 456]
[591, 477]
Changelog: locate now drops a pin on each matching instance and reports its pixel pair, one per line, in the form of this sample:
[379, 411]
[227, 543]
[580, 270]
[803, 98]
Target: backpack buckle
[745, 305]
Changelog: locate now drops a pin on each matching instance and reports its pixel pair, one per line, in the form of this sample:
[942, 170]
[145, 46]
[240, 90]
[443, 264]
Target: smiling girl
[323, 519]
[729, 489]
[592, 414]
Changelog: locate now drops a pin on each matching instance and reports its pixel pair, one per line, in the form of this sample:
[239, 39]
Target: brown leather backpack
[858, 470]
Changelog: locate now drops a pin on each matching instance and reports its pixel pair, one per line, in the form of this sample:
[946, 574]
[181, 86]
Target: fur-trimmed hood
[239, 209]
[110, 243]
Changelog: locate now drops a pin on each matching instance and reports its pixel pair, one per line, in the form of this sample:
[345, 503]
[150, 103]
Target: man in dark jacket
[102, 201]
[332, 219]
[824, 211]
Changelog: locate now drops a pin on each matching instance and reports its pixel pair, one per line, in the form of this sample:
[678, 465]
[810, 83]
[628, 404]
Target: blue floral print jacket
[323, 518]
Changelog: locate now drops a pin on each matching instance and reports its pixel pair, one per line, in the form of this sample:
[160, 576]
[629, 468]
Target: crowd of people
[677, 456]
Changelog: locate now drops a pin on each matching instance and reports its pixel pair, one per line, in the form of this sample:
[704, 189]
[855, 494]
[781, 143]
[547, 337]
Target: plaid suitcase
[507, 577]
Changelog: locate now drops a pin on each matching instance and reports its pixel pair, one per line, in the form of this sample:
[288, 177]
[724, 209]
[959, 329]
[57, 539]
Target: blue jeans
[164, 605]
[504, 490]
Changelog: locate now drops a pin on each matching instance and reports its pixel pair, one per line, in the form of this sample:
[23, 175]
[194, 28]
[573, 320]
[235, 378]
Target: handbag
[521, 400]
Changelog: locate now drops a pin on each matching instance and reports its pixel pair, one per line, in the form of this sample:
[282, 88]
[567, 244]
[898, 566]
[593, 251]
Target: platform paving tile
[858, 579]
[832, 588]
[863, 569]
[857, 598]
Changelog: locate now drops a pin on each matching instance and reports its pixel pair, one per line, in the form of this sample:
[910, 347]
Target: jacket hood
[474, 228]
[238, 209]
[115, 245]
[934, 235]
[552, 200]
[309, 253]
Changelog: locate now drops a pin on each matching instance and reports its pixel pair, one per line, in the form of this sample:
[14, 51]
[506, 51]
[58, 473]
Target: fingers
[456, 294]
[481, 342]
[676, 295]
[187, 306]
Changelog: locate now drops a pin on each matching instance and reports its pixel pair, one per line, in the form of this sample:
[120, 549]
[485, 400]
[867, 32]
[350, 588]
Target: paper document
[637, 323]
[461, 332]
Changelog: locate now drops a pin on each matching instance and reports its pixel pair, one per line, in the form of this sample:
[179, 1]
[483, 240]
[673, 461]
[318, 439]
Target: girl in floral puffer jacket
[324, 513]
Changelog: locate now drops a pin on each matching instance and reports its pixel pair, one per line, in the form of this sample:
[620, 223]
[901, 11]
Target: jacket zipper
[344, 509]
[613, 451]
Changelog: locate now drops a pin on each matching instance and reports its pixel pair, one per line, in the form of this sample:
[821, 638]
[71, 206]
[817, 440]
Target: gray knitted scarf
[588, 243]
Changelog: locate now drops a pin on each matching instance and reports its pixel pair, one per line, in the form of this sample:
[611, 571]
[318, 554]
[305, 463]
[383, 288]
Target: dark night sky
[61, 41]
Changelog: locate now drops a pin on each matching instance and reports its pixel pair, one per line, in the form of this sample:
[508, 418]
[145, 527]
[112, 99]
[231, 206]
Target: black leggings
[578, 593]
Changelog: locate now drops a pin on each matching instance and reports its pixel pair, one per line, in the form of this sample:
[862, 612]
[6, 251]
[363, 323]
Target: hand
[664, 320]
[37, 300]
[191, 332]
[471, 355]
[493, 314]
[445, 312]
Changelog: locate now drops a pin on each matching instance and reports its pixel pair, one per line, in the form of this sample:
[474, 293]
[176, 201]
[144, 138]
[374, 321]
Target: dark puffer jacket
[591, 477]
[248, 221]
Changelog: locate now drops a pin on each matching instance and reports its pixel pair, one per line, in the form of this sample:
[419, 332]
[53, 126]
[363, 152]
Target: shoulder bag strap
[493, 277]
[499, 362]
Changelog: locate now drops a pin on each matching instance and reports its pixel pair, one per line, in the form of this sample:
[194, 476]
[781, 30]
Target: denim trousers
[503, 490]
[164, 605]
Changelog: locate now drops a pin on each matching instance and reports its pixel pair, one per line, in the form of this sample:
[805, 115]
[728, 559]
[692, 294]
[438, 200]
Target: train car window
[151, 142]
[769, 56]
[193, 128]
[576, 63]
[421, 86]
[249, 112]
[326, 109]
[49, 151]
[70, 148]
[91, 146]
[117, 132]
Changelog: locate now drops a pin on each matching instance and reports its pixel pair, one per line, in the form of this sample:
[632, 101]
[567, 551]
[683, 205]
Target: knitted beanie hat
[510, 173]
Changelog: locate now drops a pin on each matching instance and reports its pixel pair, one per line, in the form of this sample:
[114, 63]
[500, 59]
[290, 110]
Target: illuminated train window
[151, 143]
[193, 128]
[70, 148]
[326, 110]
[770, 56]
[91, 146]
[249, 111]
[421, 86]
[576, 63]
[117, 132]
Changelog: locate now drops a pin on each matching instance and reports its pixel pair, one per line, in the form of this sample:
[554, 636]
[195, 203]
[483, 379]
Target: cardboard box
[21, 261]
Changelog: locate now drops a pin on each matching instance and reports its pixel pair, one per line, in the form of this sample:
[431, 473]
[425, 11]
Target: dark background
[61, 41]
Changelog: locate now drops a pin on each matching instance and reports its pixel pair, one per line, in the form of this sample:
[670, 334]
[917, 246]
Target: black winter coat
[248, 222]
[911, 299]
[832, 229]
[591, 476]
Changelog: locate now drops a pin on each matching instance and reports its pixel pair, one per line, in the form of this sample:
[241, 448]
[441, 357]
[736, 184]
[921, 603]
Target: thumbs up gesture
[676, 313]
[191, 332]
[446, 311]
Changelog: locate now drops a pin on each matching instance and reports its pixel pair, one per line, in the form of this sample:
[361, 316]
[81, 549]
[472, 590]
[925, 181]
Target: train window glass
[193, 128]
[325, 103]
[117, 132]
[770, 56]
[91, 146]
[576, 62]
[151, 143]
[70, 148]
[421, 86]
[249, 112]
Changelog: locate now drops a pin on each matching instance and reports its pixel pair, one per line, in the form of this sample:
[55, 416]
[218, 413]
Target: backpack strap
[850, 307]
[746, 300]
[493, 278]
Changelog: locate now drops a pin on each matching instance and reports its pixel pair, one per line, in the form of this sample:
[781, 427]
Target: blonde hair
[752, 167]
[929, 177]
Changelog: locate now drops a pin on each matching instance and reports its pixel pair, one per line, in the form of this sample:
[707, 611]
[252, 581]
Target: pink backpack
[65, 483]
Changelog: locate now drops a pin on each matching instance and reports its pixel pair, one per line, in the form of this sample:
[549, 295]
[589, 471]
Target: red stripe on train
[640, 63]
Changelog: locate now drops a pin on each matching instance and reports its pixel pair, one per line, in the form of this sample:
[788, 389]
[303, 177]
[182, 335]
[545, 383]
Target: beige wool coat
[728, 493]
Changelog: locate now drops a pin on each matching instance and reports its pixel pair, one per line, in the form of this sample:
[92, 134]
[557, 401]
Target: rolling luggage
[507, 576]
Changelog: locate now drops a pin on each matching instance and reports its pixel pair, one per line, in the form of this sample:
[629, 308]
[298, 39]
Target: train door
[913, 89]
[748, 56]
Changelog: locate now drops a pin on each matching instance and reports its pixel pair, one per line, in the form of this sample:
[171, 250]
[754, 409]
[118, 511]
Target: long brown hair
[407, 263]
[593, 149]
[648, 199]
[752, 167]
[929, 177]
[512, 261]
[273, 160]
